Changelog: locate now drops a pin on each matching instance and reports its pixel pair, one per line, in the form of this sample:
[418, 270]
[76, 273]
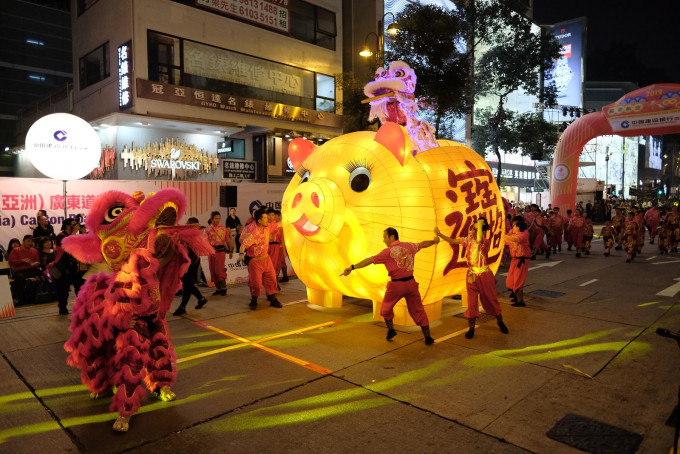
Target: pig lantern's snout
[316, 210]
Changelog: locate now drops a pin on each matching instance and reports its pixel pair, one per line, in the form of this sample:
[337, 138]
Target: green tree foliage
[354, 114]
[481, 48]
[430, 42]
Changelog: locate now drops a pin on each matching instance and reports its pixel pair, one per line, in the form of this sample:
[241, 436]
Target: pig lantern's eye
[112, 213]
[359, 179]
[305, 177]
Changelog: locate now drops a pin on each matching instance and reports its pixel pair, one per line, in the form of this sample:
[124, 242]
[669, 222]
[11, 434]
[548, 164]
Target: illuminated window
[325, 93]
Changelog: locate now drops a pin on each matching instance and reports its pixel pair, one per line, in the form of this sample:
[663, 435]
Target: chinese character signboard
[196, 97]
[271, 14]
[239, 170]
[125, 76]
[221, 64]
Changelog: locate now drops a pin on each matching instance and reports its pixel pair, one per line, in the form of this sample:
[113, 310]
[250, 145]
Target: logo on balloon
[561, 172]
[60, 135]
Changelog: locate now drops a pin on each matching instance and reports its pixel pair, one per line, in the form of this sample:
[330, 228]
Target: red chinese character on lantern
[474, 184]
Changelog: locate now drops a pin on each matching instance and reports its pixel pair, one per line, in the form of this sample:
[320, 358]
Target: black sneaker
[63, 311]
[429, 341]
[253, 304]
[179, 311]
[202, 302]
[284, 279]
[519, 304]
[390, 334]
[217, 292]
[273, 302]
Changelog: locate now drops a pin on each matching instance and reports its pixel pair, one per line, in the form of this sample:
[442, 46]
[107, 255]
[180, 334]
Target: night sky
[627, 40]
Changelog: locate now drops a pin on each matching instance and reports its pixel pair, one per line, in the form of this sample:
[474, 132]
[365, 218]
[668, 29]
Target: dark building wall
[35, 58]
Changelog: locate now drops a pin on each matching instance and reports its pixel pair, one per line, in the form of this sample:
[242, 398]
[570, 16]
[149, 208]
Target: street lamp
[606, 159]
[392, 30]
[366, 51]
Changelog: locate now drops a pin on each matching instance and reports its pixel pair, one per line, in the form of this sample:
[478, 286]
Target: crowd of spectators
[39, 269]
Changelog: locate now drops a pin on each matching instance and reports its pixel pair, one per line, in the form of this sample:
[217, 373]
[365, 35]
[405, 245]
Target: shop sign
[221, 64]
[239, 170]
[196, 97]
[125, 76]
[172, 157]
[271, 14]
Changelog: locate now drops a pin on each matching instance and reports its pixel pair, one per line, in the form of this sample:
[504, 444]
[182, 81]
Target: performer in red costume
[480, 282]
[275, 241]
[652, 220]
[119, 336]
[220, 238]
[398, 258]
[254, 250]
[518, 241]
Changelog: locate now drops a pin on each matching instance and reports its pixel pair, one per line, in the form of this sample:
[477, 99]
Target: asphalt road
[302, 379]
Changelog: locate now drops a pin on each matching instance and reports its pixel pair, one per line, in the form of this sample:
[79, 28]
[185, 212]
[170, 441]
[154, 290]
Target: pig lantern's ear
[394, 138]
[298, 150]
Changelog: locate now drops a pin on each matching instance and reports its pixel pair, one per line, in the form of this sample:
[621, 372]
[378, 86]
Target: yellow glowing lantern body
[349, 190]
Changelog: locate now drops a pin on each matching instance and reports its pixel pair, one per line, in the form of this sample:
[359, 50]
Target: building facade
[172, 86]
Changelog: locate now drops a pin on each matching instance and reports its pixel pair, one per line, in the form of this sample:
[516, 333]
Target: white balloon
[63, 146]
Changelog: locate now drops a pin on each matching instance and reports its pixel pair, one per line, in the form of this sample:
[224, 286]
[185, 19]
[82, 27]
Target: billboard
[568, 70]
[654, 145]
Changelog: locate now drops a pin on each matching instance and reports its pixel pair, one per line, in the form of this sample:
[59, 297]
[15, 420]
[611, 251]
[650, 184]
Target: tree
[354, 114]
[515, 62]
[430, 42]
[445, 49]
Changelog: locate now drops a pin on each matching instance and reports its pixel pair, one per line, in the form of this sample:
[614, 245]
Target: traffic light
[613, 190]
[660, 191]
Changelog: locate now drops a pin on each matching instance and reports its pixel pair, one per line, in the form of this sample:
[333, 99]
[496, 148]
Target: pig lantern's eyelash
[301, 171]
[353, 165]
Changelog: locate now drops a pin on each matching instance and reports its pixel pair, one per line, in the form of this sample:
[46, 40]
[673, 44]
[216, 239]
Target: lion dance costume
[119, 336]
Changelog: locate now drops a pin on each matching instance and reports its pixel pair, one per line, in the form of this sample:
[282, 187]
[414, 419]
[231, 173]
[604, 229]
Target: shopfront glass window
[325, 93]
[94, 67]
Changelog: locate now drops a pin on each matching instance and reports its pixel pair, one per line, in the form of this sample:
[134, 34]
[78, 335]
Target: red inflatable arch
[652, 110]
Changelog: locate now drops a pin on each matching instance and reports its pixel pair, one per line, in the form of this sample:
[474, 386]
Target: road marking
[296, 302]
[651, 258]
[577, 370]
[257, 344]
[588, 283]
[542, 265]
[648, 304]
[672, 290]
[663, 263]
[449, 336]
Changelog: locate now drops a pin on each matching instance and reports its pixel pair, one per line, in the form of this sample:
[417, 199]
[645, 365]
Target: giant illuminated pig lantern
[349, 190]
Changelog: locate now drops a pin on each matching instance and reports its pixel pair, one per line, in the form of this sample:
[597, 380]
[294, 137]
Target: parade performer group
[119, 336]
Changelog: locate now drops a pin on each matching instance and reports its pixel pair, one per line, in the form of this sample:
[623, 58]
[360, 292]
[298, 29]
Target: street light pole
[606, 159]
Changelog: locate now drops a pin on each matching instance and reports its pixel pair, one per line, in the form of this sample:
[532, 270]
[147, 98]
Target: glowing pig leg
[325, 298]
